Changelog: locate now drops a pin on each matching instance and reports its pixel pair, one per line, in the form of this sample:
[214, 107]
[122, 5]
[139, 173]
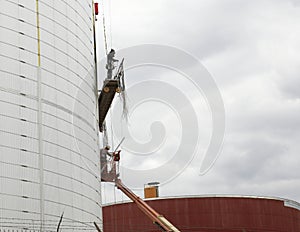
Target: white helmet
[107, 147]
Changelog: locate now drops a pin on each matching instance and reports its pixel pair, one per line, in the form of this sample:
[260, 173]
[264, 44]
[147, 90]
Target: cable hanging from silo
[110, 25]
[112, 129]
[104, 29]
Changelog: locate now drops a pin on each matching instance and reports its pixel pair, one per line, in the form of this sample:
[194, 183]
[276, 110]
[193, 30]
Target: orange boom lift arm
[155, 217]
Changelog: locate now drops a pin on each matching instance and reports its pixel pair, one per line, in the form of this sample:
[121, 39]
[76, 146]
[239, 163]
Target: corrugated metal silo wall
[48, 135]
[221, 214]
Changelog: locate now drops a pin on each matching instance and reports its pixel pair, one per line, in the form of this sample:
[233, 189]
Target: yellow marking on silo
[38, 32]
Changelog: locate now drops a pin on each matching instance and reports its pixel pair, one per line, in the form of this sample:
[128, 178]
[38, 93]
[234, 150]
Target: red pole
[96, 9]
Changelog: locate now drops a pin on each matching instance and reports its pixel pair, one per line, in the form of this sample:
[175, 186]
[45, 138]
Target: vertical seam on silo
[39, 120]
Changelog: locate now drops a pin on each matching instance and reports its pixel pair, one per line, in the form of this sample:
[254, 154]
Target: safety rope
[112, 130]
[104, 28]
[110, 25]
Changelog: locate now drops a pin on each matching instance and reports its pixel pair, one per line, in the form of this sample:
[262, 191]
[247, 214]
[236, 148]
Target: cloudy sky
[251, 49]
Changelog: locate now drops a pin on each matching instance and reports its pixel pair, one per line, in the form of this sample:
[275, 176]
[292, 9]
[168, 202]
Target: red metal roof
[207, 214]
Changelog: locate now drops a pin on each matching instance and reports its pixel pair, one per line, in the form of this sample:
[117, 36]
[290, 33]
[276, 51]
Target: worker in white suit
[104, 155]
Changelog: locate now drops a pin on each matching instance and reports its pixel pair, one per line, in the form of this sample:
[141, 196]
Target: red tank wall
[221, 214]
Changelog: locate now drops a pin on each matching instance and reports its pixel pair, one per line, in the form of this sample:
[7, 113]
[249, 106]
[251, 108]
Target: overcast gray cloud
[251, 48]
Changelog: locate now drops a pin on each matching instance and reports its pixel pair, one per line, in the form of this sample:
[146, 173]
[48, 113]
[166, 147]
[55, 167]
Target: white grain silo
[48, 131]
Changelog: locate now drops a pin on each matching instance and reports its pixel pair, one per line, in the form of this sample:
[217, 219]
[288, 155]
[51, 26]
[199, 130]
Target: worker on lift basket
[105, 156]
[110, 66]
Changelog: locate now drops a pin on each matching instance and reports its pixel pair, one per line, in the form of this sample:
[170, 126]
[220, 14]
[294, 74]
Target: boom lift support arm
[156, 218]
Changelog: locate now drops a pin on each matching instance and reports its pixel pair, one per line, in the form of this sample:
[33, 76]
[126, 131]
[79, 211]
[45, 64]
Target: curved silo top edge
[286, 202]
